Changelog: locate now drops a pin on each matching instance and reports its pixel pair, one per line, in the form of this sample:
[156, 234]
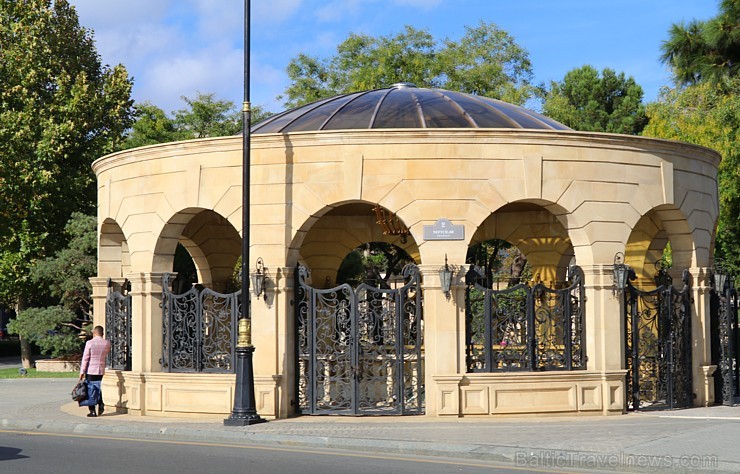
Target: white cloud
[213, 70]
[338, 10]
[274, 11]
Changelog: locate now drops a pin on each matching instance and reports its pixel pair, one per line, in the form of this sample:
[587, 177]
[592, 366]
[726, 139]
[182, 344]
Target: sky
[176, 48]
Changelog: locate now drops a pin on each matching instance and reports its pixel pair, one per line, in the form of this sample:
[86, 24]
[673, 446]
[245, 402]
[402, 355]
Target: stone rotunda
[452, 170]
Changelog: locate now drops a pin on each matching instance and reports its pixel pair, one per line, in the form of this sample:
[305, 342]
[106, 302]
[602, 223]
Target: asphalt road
[37, 453]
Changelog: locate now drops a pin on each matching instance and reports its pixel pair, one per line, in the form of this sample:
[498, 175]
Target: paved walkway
[705, 439]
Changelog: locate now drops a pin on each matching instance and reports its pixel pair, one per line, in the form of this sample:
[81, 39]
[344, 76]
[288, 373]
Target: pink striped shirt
[93, 359]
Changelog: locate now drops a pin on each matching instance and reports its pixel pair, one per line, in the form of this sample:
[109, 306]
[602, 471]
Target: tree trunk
[26, 353]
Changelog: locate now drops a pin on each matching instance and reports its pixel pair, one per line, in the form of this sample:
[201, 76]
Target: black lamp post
[245, 410]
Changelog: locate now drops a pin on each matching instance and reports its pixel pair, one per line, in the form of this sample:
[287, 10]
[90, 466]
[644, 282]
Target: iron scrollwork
[658, 352]
[200, 328]
[525, 328]
[725, 307]
[118, 325]
[359, 350]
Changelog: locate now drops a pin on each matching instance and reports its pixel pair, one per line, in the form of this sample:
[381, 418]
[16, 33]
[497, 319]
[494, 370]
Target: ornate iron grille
[658, 352]
[118, 326]
[725, 306]
[199, 329]
[359, 351]
[526, 328]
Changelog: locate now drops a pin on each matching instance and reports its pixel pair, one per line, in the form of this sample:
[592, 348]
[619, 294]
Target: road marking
[324, 452]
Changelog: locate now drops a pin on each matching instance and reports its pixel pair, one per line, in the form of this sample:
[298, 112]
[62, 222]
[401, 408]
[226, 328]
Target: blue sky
[175, 48]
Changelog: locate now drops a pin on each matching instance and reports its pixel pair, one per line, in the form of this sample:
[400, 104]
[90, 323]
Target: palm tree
[705, 50]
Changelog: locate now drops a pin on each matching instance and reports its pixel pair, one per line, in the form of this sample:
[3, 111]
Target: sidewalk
[675, 441]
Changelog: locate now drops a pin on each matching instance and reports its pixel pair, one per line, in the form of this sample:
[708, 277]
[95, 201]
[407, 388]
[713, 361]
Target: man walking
[93, 366]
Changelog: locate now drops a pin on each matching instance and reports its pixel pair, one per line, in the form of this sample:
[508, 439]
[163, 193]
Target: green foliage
[152, 126]
[373, 263]
[706, 115]
[55, 329]
[12, 373]
[485, 61]
[67, 274]
[705, 50]
[205, 116]
[52, 329]
[60, 109]
[499, 262]
[588, 101]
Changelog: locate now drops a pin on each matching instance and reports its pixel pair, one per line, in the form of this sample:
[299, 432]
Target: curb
[526, 457]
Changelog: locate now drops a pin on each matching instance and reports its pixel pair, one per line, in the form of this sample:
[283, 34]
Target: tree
[373, 263]
[485, 61]
[704, 108]
[706, 115]
[705, 50]
[587, 100]
[205, 116]
[151, 126]
[60, 109]
[56, 329]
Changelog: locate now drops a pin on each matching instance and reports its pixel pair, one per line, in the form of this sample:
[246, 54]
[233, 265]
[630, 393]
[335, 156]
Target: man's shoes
[91, 414]
[101, 409]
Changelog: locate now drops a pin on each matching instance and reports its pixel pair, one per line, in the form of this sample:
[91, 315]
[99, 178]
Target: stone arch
[114, 260]
[323, 241]
[211, 240]
[537, 232]
[649, 238]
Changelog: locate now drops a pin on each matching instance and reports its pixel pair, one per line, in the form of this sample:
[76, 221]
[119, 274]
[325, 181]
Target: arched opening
[524, 295]
[200, 241]
[378, 264]
[526, 233]
[359, 318]
[114, 260]
[338, 232]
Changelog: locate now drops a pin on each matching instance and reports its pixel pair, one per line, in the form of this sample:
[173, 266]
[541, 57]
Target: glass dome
[404, 105]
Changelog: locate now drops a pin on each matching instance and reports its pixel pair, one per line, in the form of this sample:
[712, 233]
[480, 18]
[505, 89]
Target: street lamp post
[245, 411]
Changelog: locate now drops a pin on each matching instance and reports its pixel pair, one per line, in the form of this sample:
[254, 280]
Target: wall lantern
[445, 278]
[662, 278]
[721, 279]
[258, 280]
[621, 272]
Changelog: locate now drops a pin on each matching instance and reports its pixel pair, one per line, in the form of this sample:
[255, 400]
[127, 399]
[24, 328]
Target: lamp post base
[243, 421]
[244, 412]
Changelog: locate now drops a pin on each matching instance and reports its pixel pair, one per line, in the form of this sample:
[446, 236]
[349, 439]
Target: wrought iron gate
[118, 326]
[199, 329]
[725, 339]
[525, 328]
[359, 351]
[658, 347]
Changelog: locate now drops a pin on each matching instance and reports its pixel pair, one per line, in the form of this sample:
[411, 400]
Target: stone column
[271, 336]
[605, 335]
[703, 372]
[99, 296]
[444, 322]
[146, 321]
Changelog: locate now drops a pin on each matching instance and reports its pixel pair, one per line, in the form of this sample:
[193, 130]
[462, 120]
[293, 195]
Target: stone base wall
[582, 393]
[183, 395]
[50, 365]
